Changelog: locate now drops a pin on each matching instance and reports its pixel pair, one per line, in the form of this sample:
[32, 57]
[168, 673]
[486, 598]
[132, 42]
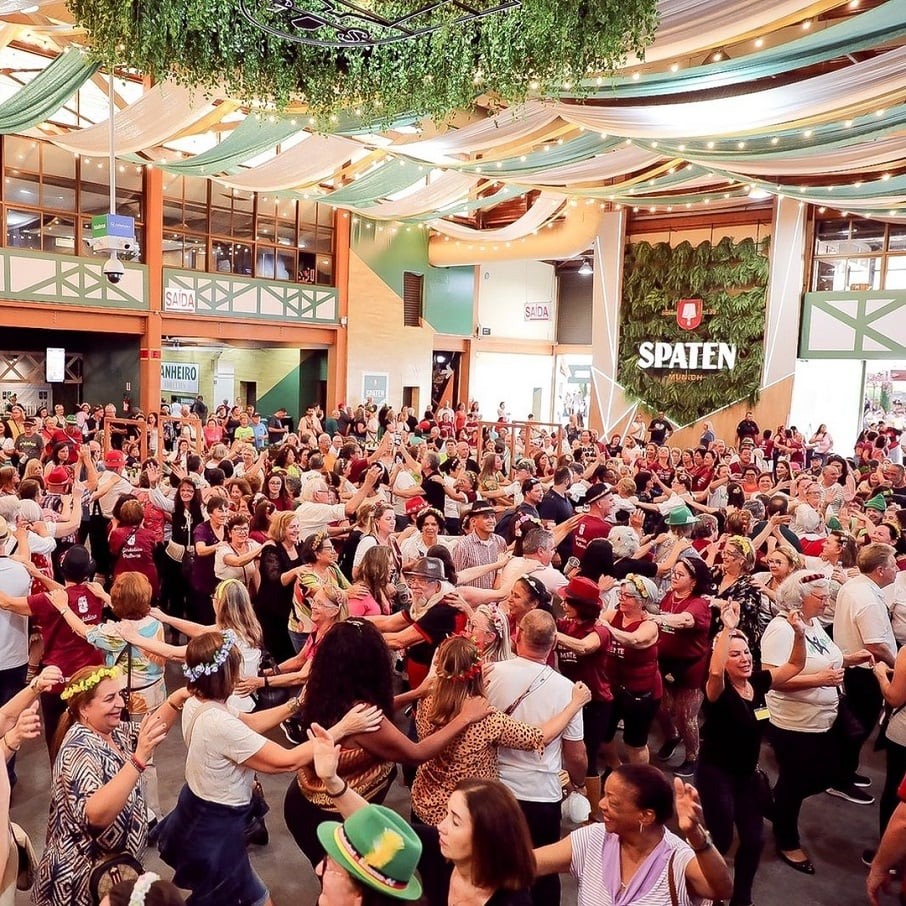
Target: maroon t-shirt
[589, 528]
[590, 669]
[133, 550]
[62, 647]
[691, 647]
[634, 669]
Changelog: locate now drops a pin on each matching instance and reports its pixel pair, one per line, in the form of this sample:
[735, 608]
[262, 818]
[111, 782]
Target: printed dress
[84, 764]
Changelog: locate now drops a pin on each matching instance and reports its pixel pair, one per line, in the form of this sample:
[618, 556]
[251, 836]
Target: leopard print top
[472, 754]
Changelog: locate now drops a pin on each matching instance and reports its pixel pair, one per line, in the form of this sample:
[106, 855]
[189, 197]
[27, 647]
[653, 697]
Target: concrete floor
[834, 833]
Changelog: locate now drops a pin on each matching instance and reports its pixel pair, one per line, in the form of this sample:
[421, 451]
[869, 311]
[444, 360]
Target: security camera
[113, 268]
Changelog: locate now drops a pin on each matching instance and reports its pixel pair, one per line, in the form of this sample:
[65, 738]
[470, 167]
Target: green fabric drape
[253, 136]
[46, 93]
[389, 178]
[870, 29]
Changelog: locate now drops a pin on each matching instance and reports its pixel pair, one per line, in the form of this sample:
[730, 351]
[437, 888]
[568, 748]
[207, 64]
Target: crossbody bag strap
[674, 896]
[540, 679]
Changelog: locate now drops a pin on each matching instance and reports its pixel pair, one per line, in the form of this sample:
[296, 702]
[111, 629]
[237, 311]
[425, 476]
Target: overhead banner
[692, 325]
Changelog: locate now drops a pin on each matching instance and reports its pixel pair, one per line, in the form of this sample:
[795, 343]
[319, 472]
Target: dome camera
[113, 269]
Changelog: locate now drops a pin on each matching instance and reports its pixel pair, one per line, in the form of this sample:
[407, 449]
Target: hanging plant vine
[731, 280]
[252, 49]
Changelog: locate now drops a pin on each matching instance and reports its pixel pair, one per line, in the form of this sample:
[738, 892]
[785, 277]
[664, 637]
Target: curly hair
[351, 665]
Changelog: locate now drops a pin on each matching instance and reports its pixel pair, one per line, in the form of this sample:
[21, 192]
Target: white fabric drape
[687, 26]
[545, 206]
[836, 160]
[163, 112]
[611, 165]
[447, 190]
[311, 160]
[510, 126]
[811, 98]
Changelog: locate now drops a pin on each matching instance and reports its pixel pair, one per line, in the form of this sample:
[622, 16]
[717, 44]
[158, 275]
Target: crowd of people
[510, 615]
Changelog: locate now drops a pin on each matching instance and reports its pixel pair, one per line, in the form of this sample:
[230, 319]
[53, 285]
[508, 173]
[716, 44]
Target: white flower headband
[141, 888]
[220, 657]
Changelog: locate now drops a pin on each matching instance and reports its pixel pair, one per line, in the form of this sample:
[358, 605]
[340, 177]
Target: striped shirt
[472, 551]
[587, 868]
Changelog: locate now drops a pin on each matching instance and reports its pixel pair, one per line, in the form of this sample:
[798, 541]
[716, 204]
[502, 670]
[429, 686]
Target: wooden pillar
[150, 352]
[338, 353]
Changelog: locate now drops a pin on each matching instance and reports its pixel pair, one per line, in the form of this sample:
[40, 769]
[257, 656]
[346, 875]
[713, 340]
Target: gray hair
[624, 540]
[9, 507]
[537, 539]
[756, 508]
[796, 587]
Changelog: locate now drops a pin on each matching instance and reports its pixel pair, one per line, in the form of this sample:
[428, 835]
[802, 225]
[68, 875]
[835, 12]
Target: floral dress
[84, 764]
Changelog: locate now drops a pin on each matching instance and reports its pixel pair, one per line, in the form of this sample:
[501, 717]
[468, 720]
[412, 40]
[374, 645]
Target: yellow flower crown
[87, 684]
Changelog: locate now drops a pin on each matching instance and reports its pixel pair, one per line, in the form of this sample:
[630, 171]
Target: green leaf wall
[731, 278]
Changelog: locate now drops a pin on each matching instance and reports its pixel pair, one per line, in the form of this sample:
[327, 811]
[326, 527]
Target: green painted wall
[449, 291]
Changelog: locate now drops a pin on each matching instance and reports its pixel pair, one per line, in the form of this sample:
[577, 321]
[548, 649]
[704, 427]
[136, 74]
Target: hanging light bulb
[585, 269]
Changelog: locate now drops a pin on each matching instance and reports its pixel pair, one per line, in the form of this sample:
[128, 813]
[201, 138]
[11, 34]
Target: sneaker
[665, 752]
[687, 769]
[850, 794]
[868, 856]
[292, 730]
[860, 780]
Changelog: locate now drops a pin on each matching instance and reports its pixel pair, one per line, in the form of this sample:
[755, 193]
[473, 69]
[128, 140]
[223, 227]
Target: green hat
[681, 516]
[877, 503]
[378, 848]
[833, 524]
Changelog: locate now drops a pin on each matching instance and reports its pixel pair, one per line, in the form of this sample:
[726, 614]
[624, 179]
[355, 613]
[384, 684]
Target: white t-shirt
[518, 567]
[862, 618]
[315, 517]
[404, 481]
[895, 596]
[587, 867]
[14, 581]
[533, 777]
[218, 743]
[806, 710]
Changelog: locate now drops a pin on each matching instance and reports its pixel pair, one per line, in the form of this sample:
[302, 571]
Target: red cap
[59, 475]
[115, 458]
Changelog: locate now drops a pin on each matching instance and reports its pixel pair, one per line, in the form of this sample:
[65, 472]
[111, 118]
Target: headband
[220, 657]
[87, 684]
[141, 888]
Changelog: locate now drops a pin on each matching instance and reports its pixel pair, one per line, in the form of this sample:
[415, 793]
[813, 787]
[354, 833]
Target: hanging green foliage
[731, 280]
[252, 49]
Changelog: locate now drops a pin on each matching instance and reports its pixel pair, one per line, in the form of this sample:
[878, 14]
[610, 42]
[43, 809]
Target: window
[413, 289]
[852, 255]
[208, 226]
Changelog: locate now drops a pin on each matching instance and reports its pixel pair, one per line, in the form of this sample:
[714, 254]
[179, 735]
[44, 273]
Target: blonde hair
[233, 607]
[276, 531]
[459, 677]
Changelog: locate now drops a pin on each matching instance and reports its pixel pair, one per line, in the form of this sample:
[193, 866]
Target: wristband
[339, 792]
[137, 764]
[33, 685]
[177, 710]
[8, 746]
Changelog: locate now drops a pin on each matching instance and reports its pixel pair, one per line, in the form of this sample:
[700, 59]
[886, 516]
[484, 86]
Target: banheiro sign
[179, 377]
[687, 356]
[178, 299]
[537, 311]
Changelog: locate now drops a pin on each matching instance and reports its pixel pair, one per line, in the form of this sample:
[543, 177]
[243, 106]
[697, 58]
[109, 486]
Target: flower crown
[469, 673]
[141, 888]
[220, 657]
[90, 681]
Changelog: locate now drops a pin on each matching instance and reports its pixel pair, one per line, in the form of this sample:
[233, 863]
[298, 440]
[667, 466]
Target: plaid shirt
[472, 551]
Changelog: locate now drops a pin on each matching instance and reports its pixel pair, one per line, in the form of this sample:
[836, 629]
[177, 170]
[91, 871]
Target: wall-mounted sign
[537, 311]
[692, 325]
[56, 365]
[179, 377]
[178, 299]
[374, 385]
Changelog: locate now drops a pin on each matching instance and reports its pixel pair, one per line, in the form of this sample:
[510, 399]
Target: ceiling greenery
[380, 57]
